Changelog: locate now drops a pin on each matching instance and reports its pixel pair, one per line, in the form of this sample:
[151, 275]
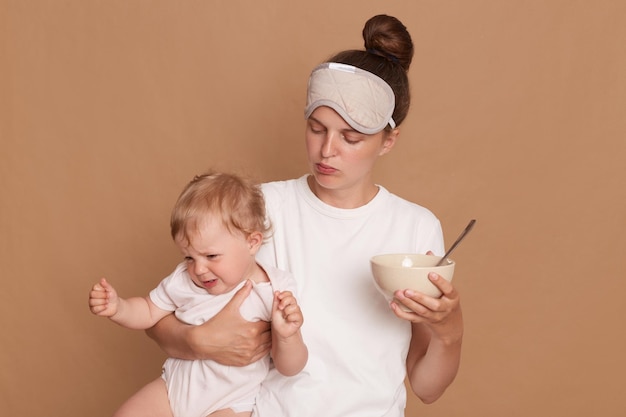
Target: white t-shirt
[196, 388]
[357, 347]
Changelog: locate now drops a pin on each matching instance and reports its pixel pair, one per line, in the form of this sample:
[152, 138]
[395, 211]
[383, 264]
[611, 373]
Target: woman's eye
[316, 129]
[351, 140]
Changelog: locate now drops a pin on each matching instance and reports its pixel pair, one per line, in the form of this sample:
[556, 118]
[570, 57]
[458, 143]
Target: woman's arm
[435, 350]
[227, 338]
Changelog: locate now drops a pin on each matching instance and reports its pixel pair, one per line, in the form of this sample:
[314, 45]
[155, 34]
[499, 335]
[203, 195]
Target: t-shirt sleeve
[161, 295]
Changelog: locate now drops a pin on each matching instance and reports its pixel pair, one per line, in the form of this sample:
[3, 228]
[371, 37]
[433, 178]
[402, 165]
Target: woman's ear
[255, 240]
[389, 141]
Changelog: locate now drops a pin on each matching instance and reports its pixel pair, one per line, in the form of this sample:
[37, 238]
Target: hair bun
[386, 36]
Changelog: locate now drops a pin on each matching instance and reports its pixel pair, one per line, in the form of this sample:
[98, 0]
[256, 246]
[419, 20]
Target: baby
[219, 224]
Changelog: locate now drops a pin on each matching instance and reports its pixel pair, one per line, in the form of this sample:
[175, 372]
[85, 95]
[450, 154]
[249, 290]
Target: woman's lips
[325, 169]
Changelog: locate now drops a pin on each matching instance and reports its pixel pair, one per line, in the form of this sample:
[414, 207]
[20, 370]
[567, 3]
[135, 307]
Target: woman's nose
[328, 147]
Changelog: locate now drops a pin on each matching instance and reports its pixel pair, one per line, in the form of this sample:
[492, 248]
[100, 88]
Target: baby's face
[217, 260]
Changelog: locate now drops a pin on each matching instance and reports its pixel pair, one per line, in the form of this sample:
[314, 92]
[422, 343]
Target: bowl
[401, 271]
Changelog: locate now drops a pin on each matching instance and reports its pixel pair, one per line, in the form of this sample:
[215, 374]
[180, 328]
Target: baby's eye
[188, 259]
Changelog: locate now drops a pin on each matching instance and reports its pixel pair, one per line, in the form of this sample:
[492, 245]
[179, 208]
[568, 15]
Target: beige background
[108, 107]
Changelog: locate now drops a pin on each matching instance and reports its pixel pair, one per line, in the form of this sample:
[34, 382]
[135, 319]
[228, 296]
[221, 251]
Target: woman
[326, 227]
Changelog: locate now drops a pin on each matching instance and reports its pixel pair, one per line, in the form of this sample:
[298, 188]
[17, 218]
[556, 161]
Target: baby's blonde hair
[235, 199]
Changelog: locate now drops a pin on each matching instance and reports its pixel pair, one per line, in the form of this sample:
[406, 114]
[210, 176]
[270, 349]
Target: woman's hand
[441, 315]
[437, 335]
[227, 338]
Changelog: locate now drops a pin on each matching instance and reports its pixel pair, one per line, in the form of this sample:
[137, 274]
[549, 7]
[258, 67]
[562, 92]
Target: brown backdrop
[108, 107]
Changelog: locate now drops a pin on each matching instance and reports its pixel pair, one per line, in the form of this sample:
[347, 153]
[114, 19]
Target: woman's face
[342, 159]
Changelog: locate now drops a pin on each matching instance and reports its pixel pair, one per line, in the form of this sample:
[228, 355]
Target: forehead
[330, 118]
[205, 232]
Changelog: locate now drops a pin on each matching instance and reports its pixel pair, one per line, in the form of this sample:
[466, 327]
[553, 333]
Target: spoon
[458, 240]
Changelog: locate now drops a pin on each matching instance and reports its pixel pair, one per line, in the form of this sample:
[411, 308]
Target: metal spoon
[458, 240]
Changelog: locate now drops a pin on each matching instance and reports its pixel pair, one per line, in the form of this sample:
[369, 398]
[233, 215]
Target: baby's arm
[133, 313]
[288, 349]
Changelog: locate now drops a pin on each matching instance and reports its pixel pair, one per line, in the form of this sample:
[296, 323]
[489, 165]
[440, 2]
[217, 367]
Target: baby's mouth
[208, 283]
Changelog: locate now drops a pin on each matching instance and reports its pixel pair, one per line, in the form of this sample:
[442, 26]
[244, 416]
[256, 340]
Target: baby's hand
[103, 299]
[286, 314]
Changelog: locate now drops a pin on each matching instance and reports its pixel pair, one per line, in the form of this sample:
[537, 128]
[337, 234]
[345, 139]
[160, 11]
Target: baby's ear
[255, 240]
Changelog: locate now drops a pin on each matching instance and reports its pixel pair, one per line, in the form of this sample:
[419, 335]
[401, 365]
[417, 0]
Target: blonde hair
[236, 200]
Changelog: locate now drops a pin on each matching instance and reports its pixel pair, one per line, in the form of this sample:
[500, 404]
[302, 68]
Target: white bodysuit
[357, 347]
[196, 388]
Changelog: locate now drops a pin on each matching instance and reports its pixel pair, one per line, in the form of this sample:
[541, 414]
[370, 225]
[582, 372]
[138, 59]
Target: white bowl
[401, 271]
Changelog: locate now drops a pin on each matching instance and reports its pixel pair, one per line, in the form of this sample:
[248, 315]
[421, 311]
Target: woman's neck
[344, 198]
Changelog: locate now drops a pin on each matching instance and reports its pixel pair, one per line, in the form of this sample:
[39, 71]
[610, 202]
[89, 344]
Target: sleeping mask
[364, 100]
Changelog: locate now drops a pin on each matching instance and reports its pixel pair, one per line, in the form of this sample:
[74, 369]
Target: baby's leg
[228, 412]
[150, 401]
